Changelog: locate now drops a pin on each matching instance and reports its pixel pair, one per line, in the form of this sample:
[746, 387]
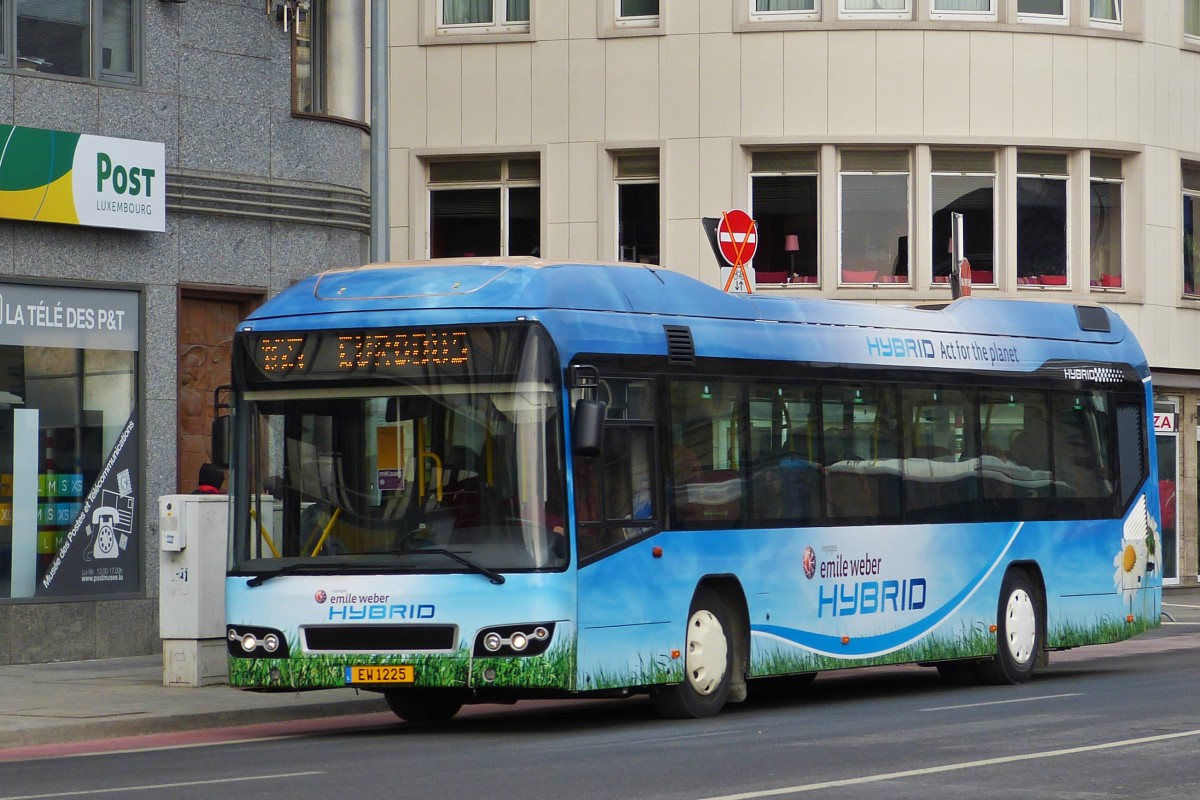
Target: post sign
[737, 239]
[80, 179]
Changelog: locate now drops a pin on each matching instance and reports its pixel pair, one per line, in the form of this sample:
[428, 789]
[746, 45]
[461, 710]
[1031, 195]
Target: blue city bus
[484, 480]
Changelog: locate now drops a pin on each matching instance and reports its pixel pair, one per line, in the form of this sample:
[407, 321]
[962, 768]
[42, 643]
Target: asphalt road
[1118, 721]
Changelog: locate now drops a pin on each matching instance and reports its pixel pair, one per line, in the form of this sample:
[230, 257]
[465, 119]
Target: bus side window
[707, 419]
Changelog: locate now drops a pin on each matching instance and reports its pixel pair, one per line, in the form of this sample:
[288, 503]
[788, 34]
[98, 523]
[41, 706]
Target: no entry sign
[737, 237]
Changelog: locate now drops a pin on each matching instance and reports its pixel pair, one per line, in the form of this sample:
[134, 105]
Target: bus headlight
[530, 639]
[251, 641]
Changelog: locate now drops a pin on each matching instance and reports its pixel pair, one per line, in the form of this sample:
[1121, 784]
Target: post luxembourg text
[908, 347]
[42, 315]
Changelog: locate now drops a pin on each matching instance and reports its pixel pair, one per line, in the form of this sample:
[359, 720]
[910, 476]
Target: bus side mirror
[221, 429]
[587, 427]
[220, 441]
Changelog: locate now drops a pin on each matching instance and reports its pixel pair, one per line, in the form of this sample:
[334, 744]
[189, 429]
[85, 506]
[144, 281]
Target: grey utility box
[191, 594]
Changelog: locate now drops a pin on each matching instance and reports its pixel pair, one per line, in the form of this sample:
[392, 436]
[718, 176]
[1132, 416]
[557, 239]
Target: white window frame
[1120, 183]
[498, 24]
[880, 13]
[784, 16]
[841, 214]
[934, 175]
[1103, 22]
[1046, 19]
[641, 21]
[988, 15]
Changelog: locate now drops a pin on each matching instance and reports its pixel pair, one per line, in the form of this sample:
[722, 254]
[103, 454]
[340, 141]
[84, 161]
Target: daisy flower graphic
[1130, 563]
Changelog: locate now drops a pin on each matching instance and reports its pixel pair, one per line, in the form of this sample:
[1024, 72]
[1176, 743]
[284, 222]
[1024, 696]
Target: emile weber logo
[349, 606]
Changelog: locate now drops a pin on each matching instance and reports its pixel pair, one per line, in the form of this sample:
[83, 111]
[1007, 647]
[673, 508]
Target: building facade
[1065, 132]
[164, 167]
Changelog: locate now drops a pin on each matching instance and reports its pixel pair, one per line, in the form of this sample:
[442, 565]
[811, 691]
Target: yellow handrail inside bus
[337, 512]
[437, 466]
[266, 536]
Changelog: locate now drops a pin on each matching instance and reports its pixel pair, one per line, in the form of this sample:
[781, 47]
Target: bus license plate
[392, 673]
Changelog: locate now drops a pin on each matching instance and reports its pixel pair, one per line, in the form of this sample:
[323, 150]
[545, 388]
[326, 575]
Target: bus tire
[708, 662]
[1019, 632]
[424, 705]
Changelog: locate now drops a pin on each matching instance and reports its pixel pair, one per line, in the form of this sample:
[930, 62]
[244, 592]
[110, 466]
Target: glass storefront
[1166, 439]
[69, 466]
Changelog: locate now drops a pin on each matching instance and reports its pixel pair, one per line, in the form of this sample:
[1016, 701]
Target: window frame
[990, 15]
[1094, 281]
[1117, 23]
[1026, 281]
[786, 15]
[843, 172]
[875, 14]
[1039, 18]
[635, 21]
[1189, 196]
[497, 25]
[96, 72]
[794, 278]
[643, 179]
[933, 175]
[504, 183]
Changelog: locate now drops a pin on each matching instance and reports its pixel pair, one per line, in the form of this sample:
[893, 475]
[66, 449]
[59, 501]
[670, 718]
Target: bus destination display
[360, 352]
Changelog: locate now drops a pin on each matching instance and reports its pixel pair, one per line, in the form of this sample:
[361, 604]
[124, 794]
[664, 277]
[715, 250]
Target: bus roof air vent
[680, 350]
[1093, 318]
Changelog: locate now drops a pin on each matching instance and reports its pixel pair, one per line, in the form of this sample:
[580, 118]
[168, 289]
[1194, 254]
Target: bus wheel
[423, 705]
[707, 666]
[1018, 632]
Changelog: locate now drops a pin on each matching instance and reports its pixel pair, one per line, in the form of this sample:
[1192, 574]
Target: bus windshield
[406, 470]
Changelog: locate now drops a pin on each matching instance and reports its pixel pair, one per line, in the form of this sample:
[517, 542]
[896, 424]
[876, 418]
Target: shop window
[977, 10]
[1191, 230]
[637, 206]
[874, 217]
[1042, 11]
[484, 207]
[1166, 443]
[96, 39]
[1105, 13]
[964, 182]
[483, 16]
[1042, 234]
[69, 471]
[772, 10]
[783, 198]
[1107, 189]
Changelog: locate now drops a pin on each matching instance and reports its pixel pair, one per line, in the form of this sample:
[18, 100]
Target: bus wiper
[296, 566]
[490, 574]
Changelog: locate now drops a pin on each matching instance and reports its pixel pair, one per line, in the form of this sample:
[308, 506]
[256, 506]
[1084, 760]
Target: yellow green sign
[80, 179]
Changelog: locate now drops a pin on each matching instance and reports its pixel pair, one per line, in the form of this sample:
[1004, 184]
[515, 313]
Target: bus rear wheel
[1018, 632]
[707, 666]
[424, 705]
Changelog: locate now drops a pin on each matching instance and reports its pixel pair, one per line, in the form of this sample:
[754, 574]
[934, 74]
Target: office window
[1042, 234]
[76, 38]
[637, 12]
[309, 60]
[783, 203]
[1191, 17]
[637, 206]
[878, 9]
[1107, 223]
[769, 10]
[483, 16]
[964, 182]
[1042, 11]
[1105, 12]
[1191, 216]
[874, 216]
[484, 207]
[963, 9]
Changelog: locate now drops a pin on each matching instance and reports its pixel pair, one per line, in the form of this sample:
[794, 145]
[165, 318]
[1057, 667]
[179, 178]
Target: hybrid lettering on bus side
[900, 347]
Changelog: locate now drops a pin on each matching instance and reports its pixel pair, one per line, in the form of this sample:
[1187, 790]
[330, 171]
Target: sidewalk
[84, 700]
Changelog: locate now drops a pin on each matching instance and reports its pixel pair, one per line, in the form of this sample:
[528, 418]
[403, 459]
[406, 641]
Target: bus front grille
[379, 638]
